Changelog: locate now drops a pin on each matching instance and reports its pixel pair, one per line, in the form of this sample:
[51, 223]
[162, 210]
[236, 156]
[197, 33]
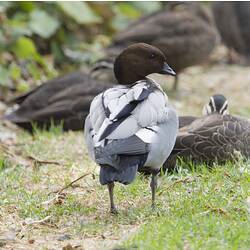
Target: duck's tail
[125, 176]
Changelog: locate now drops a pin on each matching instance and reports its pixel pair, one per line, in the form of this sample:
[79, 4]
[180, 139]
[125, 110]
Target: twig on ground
[185, 180]
[59, 196]
[43, 161]
[217, 209]
[32, 222]
[56, 199]
[6, 149]
[70, 184]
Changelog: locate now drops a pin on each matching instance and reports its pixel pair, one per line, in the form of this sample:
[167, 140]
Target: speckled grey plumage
[210, 139]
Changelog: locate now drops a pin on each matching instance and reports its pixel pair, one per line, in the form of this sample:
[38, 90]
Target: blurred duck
[217, 104]
[233, 22]
[183, 31]
[64, 100]
[126, 124]
[216, 137]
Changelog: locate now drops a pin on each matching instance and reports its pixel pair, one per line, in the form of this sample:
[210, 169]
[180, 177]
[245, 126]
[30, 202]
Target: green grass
[210, 212]
[197, 208]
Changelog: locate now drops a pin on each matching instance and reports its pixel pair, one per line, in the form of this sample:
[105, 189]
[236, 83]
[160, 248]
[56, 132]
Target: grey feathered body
[129, 128]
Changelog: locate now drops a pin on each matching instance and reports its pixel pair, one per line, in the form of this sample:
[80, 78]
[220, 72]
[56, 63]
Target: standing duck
[64, 100]
[216, 137]
[184, 32]
[126, 124]
[233, 23]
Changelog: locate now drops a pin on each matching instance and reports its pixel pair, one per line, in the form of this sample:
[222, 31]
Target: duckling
[216, 137]
[184, 33]
[126, 124]
[217, 104]
[233, 23]
[64, 100]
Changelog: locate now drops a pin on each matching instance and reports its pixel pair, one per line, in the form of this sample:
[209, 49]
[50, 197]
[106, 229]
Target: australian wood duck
[132, 126]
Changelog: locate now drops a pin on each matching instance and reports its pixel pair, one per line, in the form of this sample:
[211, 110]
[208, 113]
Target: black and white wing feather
[118, 112]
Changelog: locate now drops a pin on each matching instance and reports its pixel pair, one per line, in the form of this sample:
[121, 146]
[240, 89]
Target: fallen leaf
[64, 237]
[30, 221]
[31, 241]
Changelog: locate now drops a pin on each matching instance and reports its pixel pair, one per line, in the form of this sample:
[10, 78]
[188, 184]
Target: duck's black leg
[153, 185]
[113, 209]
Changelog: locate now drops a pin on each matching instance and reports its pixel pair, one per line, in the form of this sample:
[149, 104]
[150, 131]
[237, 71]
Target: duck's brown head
[139, 60]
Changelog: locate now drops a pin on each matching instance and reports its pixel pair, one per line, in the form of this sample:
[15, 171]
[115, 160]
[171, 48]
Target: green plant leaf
[80, 12]
[42, 24]
[15, 71]
[23, 87]
[24, 48]
[128, 10]
[4, 77]
[26, 6]
[4, 5]
[147, 7]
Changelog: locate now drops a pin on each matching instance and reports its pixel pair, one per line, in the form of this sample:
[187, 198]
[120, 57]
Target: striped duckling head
[217, 104]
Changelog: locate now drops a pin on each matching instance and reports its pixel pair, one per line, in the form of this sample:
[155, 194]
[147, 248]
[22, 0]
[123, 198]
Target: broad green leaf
[42, 24]
[23, 87]
[147, 7]
[34, 71]
[26, 6]
[18, 26]
[128, 10]
[4, 77]
[124, 14]
[80, 12]
[57, 51]
[24, 48]
[15, 71]
[2, 40]
[4, 5]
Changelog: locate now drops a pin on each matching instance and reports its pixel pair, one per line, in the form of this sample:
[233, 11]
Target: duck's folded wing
[120, 107]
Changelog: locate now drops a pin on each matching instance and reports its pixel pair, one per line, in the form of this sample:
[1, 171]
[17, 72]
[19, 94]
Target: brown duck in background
[216, 137]
[233, 23]
[183, 31]
[64, 100]
[217, 104]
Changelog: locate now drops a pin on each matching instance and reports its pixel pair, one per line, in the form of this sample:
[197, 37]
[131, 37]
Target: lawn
[197, 208]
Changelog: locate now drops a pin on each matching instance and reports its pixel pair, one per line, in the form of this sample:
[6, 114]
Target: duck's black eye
[152, 56]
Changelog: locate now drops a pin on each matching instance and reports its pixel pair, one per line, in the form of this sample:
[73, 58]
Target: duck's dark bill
[166, 70]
